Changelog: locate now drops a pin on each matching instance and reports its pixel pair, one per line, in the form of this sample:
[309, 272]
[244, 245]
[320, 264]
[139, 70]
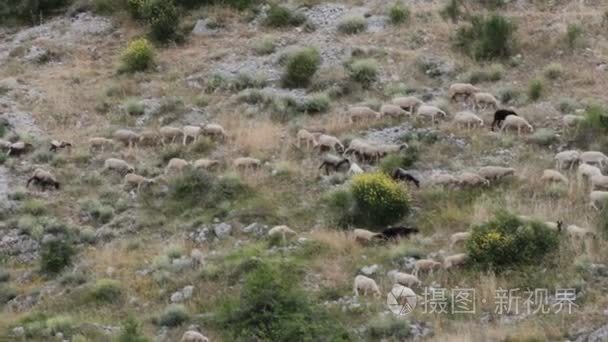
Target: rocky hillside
[230, 169]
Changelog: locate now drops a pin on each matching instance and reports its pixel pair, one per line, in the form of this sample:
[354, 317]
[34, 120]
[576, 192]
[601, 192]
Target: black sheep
[392, 233]
[400, 174]
[500, 116]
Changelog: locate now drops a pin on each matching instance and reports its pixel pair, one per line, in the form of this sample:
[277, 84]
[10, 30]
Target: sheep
[586, 171]
[425, 265]
[553, 176]
[570, 120]
[148, 136]
[485, 99]
[247, 163]
[306, 136]
[282, 230]
[214, 130]
[197, 257]
[516, 122]
[118, 165]
[472, 179]
[465, 89]
[459, 237]
[133, 180]
[365, 284]
[467, 119]
[577, 232]
[598, 199]
[56, 144]
[364, 236]
[192, 132]
[361, 113]
[400, 174]
[557, 226]
[500, 116]
[354, 169]
[43, 178]
[193, 336]
[495, 172]
[334, 162]
[407, 103]
[19, 148]
[5, 145]
[444, 179]
[330, 142]
[206, 164]
[386, 149]
[363, 150]
[169, 133]
[455, 260]
[404, 279]
[393, 111]
[176, 164]
[599, 182]
[100, 143]
[127, 137]
[394, 233]
[567, 159]
[430, 111]
[594, 157]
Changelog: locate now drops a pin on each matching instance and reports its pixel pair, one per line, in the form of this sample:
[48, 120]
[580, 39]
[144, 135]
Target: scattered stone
[255, 229]
[187, 291]
[370, 270]
[177, 297]
[222, 230]
[37, 55]
[202, 28]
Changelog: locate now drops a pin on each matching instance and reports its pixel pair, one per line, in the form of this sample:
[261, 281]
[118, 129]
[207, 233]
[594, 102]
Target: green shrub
[3, 158]
[4, 276]
[506, 242]
[73, 278]
[163, 17]
[265, 46]
[97, 211]
[279, 16]
[535, 89]
[487, 37]
[191, 188]
[300, 67]
[544, 137]
[451, 11]
[55, 255]
[173, 316]
[567, 105]
[364, 71]
[553, 71]
[106, 291]
[130, 331]
[135, 108]
[389, 326]
[340, 207]
[34, 207]
[509, 96]
[352, 25]
[602, 222]
[574, 34]
[43, 156]
[28, 11]
[138, 56]
[136, 8]
[402, 160]
[399, 13]
[492, 74]
[379, 200]
[6, 293]
[316, 103]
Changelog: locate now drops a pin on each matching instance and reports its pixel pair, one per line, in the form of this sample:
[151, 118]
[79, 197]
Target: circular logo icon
[401, 300]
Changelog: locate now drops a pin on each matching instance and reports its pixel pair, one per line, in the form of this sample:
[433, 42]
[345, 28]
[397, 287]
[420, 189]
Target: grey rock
[202, 28]
[599, 335]
[187, 291]
[222, 230]
[18, 331]
[177, 297]
[370, 270]
[255, 229]
[181, 264]
[37, 55]
[436, 67]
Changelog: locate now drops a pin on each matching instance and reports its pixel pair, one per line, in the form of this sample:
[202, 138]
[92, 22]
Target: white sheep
[393, 111]
[364, 151]
[599, 182]
[467, 120]
[247, 163]
[598, 199]
[205, 164]
[405, 279]
[5, 145]
[444, 179]
[459, 237]
[577, 232]
[193, 336]
[586, 171]
[495, 172]
[282, 230]
[133, 180]
[176, 165]
[430, 111]
[330, 142]
[307, 137]
[365, 284]
[465, 89]
[354, 169]
[386, 149]
[118, 165]
[19, 148]
[408, 103]
[557, 226]
[553, 176]
[215, 130]
[570, 120]
[483, 100]
[149, 136]
[514, 121]
[567, 159]
[197, 257]
[455, 260]
[100, 143]
[594, 157]
[472, 179]
[425, 265]
[364, 236]
[169, 133]
[191, 132]
[361, 113]
[127, 137]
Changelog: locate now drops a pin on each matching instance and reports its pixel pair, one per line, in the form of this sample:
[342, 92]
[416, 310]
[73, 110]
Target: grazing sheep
[365, 236]
[576, 232]
[495, 172]
[467, 120]
[215, 130]
[334, 162]
[365, 284]
[148, 137]
[169, 133]
[394, 233]
[472, 179]
[330, 142]
[500, 116]
[598, 199]
[393, 111]
[427, 265]
[5, 145]
[455, 260]
[570, 120]
[363, 151]
[386, 149]
[586, 171]
[518, 122]
[462, 89]
[567, 159]
[354, 169]
[193, 336]
[19, 148]
[553, 176]
[594, 157]
[247, 163]
[43, 178]
[133, 180]
[118, 165]
[599, 182]
[557, 226]
[484, 100]
[100, 143]
[400, 174]
[206, 164]
[306, 136]
[197, 257]
[404, 279]
[430, 111]
[361, 113]
[191, 132]
[282, 230]
[444, 179]
[56, 144]
[176, 165]
[127, 137]
[459, 237]
[407, 103]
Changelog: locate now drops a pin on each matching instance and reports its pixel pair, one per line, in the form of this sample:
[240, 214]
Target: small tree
[138, 56]
[487, 37]
[55, 256]
[301, 66]
[163, 18]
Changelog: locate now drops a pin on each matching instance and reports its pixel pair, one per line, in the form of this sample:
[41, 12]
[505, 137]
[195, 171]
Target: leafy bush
[106, 291]
[553, 71]
[130, 331]
[451, 11]
[28, 11]
[492, 74]
[535, 89]
[379, 200]
[574, 35]
[301, 66]
[135, 108]
[389, 326]
[163, 17]
[352, 25]
[507, 242]
[138, 56]
[509, 96]
[97, 211]
[191, 188]
[56, 255]
[544, 137]
[402, 160]
[4, 276]
[364, 71]
[173, 316]
[316, 103]
[265, 46]
[7, 293]
[567, 105]
[487, 37]
[34, 207]
[136, 8]
[399, 13]
[279, 16]
[596, 116]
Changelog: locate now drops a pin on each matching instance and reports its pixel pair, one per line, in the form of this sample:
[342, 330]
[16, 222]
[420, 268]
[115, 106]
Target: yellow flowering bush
[507, 241]
[379, 200]
[138, 56]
